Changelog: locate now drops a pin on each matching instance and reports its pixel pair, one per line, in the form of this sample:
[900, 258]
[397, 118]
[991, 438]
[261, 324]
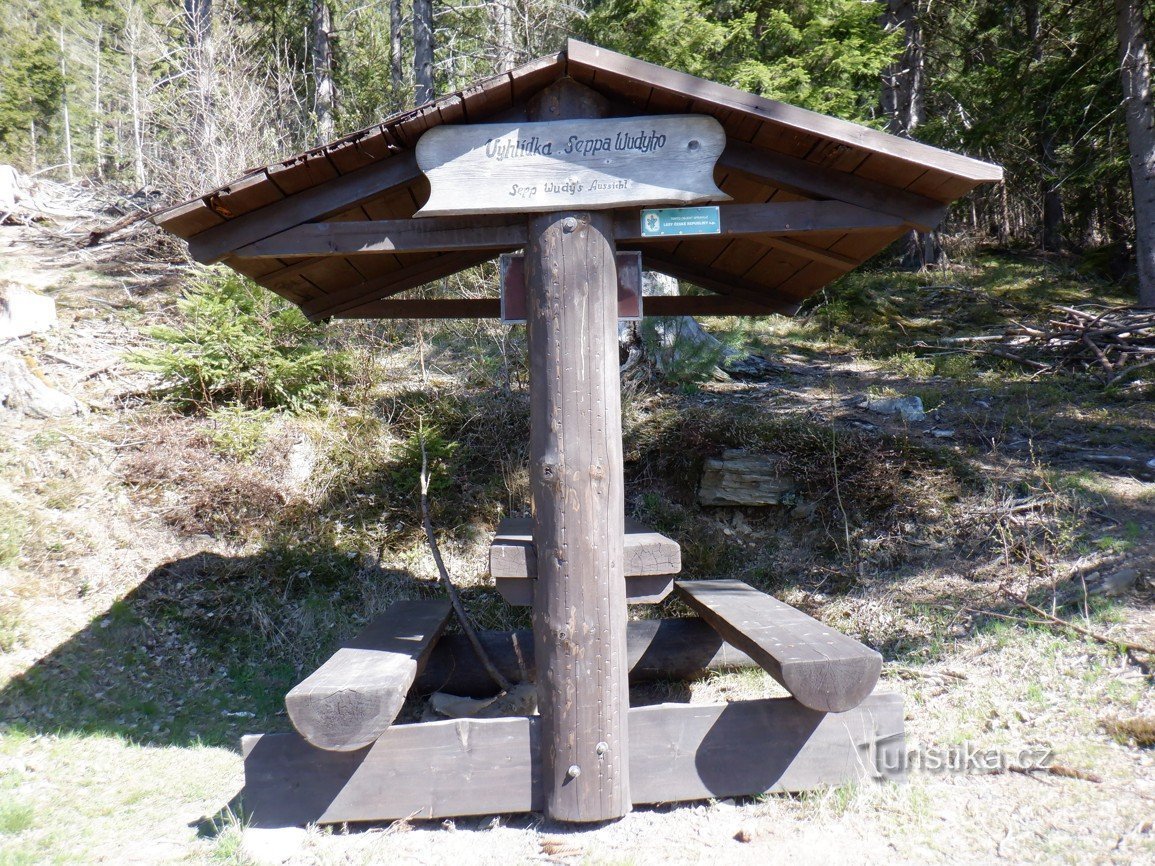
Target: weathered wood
[512, 553]
[501, 231]
[350, 700]
[743, 478]
[617, 71]
[576, 478]
[822, 668]
[410, 276]
[479, 767]
[514, 297]
[490, 308]
[798, 175]
[646, 589]
[355, 238]
[314, 203]
[570, 163]
[656, 649]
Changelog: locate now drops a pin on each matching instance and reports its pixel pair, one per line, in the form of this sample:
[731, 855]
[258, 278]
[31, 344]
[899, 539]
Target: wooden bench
[651, 562]
[822, 668]
[351, 700]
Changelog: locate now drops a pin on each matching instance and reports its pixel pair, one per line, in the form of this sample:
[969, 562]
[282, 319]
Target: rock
[910, 408]
[9, 189]
[271, 847]
[521, 700]
[745, 834]
[1116, 583]
[23, 312]
[21, 390]
[744, 478]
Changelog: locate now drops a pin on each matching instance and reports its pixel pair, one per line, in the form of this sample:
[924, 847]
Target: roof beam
[501, 231]
[419, 235]
[394, 282]
[315, 203]
[806, 178]
[490, 308]
[728, 285]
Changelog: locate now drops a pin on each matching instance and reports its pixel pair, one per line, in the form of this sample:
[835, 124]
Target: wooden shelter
[604, 143]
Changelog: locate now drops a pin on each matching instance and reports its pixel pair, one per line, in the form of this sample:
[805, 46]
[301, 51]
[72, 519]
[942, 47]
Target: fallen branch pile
[1111, 343]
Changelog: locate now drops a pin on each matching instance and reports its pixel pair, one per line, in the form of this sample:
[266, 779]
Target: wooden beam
[428, 234]
[656, 649]
[391, 283]
[577, 482]
[315, 203]
[492, 766]
[725, 284]
[512, 553]
[442, 234]
[769, 219]
[822, 668]
[797, 175]
[350, 700]
[490, 308]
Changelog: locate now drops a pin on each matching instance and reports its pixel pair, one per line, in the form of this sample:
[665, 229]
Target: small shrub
[238, 432]
[909, 364]
[239, 344]
[955, 366]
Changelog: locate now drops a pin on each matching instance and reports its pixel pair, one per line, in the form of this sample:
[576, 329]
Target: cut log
[657, 649]
[487, 766]
[350, 700]
[742, 478]
[824, 669]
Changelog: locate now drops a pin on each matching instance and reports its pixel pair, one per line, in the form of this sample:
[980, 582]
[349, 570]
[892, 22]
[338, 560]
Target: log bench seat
[652, 561]
[822, 668]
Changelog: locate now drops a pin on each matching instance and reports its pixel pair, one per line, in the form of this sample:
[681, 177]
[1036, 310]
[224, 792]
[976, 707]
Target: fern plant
[238, 344]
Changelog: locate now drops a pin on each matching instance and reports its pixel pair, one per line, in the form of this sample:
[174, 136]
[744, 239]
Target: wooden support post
[579, 614]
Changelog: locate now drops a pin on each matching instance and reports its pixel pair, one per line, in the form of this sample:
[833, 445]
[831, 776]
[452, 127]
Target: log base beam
[492, 766]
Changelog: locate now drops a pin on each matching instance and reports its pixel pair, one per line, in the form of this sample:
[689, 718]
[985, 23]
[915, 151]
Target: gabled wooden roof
[775, 153]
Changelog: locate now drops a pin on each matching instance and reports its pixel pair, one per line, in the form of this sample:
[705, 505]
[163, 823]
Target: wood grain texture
[570, 163]
[316, 202]
[798, 175]
[512, 553]
[656, 649]
[822, 668]
[605, 63]
[576, 479]
[490, 308]
[350, 700]
[478, 767]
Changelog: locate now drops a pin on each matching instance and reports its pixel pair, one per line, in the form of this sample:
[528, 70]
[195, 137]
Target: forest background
[174, 98]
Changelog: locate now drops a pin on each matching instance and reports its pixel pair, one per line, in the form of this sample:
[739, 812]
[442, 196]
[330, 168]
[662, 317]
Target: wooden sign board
[513, 299]
[570, 164]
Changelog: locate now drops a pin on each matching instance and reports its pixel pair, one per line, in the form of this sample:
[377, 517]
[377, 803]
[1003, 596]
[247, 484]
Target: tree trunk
[423, 50]
[678, 346]
[1049, 192]
[325, 93]
[1135, 64]
[903, 101]
[903, 82]
[64, 108]
[97, 120]
[396, 75]
[199, 25]
[501, 14]
[137, 126]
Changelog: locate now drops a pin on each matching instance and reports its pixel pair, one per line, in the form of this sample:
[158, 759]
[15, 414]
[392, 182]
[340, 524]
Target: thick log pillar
[579, 614]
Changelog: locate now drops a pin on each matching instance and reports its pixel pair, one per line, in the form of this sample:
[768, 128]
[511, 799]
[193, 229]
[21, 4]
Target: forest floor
[166, 577]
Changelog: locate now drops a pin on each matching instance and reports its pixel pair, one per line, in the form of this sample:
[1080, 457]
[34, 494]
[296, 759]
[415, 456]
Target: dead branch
[454, 599]
[1056, 622]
